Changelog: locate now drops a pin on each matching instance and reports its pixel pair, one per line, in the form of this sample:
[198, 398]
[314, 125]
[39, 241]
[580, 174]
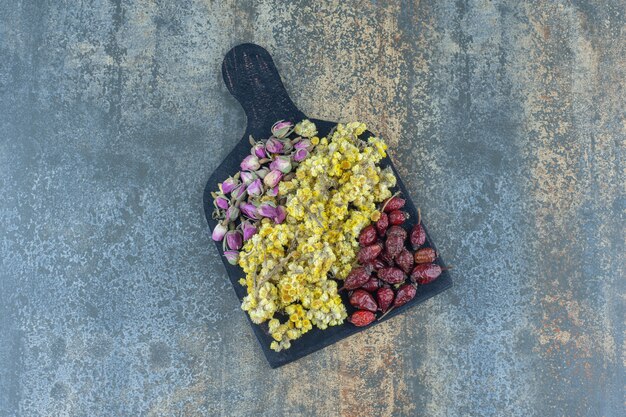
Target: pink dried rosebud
[228, 185]
[248, 229]
[282, 129]
[300, 155]
[232, 213]
[273, 178]
[261, 173]
[273, 145]
[232, 256]
[281, 214]
[282, 164]
[303, 144]
[219, 232]
[259, 150]
[240, 193]
[221, 202]
[234, 240]
[255, 188]
[272, 192]
[248, 177]
[249, 210]
[267, 210]
[250, 163]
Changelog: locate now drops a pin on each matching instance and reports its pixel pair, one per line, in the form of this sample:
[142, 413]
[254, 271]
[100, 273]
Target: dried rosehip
[394, 203]
[371, 285]
[362, 318]
[385, 298]
[398, 217]
[357, 277]
[367, 236]
[382, 224]
[425, 255]
[404, 294]
[377, 263]
[418, 236]
[425, 273]
[394, 246]
[404, 260]
[386, 258]
[396, 231]
[391, 274]
[369, 253]
[363, 300]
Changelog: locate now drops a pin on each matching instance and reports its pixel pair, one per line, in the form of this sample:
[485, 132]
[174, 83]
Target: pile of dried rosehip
[379, 283]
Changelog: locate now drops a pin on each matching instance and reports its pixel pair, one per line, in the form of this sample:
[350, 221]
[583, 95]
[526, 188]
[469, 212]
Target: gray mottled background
[506, 120]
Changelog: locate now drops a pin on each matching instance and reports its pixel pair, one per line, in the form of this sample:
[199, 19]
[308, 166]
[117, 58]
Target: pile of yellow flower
[332, 198]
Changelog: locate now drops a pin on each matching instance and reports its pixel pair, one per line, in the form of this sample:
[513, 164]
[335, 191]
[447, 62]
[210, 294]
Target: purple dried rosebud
[273, 178]
[249, 210]
[228, 185]
[255, 188]
[250, 163]
[247, 177]
[248, 229]
[273, 145]
[267, 210]
[282, 164]
[303, 144]
[234, 240]
[259, 150]
[219, 232]
[300, 155]
[282, 129]
[232, 256]
[240, 193]
[221, 202]
[272, 192]
[232, 213]
[280, 216]
[261, 173]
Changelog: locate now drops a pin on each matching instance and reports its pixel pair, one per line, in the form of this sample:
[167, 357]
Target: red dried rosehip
[356, 278]
[425, 273]
[393, 203]
[418, 236]
[404, 260]
[377, 263]
[382, 224]
[362, 318]
[371, 285]
[396, 231]
[385, 298]
[391, 274]
[367, 236]
[369, 253]
[425, 255]
[386, 259]
[404, 294]
[398, 217]
[363, 300]
[394, 246]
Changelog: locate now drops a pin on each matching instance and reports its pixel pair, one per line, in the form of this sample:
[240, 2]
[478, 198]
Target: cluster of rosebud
[238, 204]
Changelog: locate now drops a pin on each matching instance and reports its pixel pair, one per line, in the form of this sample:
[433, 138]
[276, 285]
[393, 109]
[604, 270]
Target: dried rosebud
[261, 173]
[234, 239]
[249, 210]
[282, 164]
[250, 163]
[232, 256]
[272, 192]
[259, 150]
[281, 214]
[282, 128]
[255, 188]
[232, 213]
[228, 185]
[219, 232]
[240, 192]
[300, 155]
[273, 178]
[274, 145]
[248, 229]
[303, 144]
[267, 210]
[221, 202]
[248, 177]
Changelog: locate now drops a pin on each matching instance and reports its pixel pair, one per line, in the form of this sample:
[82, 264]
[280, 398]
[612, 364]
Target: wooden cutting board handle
[252, 78]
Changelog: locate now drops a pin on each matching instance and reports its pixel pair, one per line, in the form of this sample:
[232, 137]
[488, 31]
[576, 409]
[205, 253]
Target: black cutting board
[252, 78]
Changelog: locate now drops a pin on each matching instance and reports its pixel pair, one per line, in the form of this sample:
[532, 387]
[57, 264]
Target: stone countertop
[505, 119]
